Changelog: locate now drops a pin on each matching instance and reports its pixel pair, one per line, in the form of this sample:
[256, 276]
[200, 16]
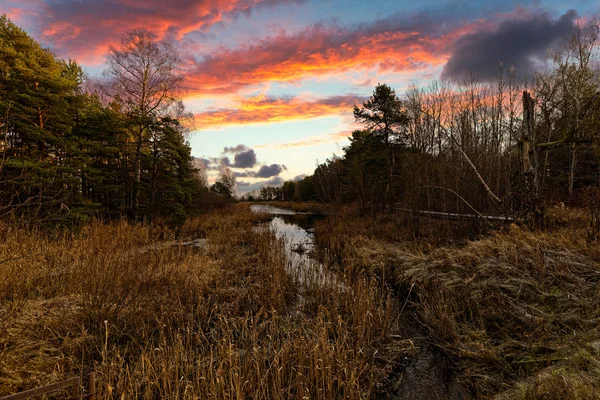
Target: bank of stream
[426, 376]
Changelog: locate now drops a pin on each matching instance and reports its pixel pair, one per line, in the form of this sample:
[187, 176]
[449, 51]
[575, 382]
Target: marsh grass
[516, 311]
[156, 320]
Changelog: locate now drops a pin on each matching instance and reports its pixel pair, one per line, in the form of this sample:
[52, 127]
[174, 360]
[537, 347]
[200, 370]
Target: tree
[225, 184]
[364, 159]
[39, 97]
[568, 97]
[385, 116]
[143, 76]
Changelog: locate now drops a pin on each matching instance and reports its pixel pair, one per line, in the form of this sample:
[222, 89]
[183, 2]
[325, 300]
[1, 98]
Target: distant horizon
[272, 83]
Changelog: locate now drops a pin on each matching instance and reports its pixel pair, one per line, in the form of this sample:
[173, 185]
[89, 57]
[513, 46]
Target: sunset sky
[272, 83]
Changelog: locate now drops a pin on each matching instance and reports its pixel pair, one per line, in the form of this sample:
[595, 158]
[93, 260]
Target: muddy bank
[428, 375]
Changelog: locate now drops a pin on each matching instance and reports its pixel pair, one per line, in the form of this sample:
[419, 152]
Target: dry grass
[516, 311]
[161, 321]
[310, 207]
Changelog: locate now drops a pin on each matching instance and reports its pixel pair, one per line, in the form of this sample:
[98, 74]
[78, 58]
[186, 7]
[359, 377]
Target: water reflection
[296, 231]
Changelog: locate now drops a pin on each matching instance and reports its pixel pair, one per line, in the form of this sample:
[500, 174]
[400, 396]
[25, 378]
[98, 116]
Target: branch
[460, 197]
[489, 191]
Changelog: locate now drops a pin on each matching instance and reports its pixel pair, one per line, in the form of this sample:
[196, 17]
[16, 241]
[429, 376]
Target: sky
[272, 83]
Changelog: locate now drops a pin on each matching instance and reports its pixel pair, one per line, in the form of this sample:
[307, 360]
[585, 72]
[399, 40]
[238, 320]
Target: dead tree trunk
[528, 169]
[572, 164]
[529, 205]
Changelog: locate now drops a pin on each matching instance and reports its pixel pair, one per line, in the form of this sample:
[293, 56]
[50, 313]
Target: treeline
[70, 150]
[506, 146]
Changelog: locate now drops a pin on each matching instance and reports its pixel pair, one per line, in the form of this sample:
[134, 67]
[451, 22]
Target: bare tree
[143, 77]
[565, 95]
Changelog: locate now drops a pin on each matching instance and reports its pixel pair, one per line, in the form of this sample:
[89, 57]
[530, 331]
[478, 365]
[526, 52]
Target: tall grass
[516, 311]
[160, 320]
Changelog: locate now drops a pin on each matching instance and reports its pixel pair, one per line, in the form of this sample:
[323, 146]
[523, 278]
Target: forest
[450, 251]
[505, 147]
[74, 149]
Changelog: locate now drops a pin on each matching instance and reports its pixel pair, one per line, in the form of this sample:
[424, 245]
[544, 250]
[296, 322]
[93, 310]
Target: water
[296, 230]
[428, 374]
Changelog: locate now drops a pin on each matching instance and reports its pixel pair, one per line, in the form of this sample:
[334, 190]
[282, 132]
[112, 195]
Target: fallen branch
[449, 215]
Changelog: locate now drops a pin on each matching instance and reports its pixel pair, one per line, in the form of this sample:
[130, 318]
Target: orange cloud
[263, 109]
[86, 30]
[14, 13]
[61, 31]
[386, 46]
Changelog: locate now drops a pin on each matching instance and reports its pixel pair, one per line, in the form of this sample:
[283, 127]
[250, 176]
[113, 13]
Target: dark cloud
[215, 163]
[245, 159]
[225, 162]
[244, 156]
[246, 174]
[521, 43]
[246, 187]
[197, 161]
[236, 149]
[267, 171]
[275, 181]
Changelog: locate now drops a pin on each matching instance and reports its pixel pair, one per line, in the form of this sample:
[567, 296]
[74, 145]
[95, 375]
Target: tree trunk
[572, 162]
[529, 168]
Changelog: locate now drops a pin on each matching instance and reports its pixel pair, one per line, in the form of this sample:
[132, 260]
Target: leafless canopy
[143, 73]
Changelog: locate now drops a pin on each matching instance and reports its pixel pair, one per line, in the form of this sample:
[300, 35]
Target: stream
[296, 230]
[429, 375]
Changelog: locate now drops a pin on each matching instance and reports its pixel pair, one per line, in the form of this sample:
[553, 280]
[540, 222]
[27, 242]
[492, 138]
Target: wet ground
[429, 375]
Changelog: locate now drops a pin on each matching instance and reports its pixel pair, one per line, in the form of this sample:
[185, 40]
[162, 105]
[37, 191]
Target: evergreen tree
[385, 116]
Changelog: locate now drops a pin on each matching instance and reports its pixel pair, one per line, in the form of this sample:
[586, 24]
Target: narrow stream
[296, 230]
[429, 375]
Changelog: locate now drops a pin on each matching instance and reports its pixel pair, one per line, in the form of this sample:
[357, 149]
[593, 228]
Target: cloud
[520, 42]
[246, 187]
[86, 29]
[310, 141]
[265, 109]
[224, 162]
[267, 171]
[397, 43]
[236, 149]
[299, 177]
[205, 161]
[245, 159]
[276, 181]
[215, 163]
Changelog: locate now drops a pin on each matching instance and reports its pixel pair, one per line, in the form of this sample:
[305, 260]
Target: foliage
[68, 155]
[225, 184]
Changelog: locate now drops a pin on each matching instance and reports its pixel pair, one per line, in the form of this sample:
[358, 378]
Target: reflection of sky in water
[295, 237]
[292, 228]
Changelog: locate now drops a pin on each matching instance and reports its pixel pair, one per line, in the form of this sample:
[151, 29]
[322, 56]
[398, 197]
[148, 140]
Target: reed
[156, 319]
[514, 311]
